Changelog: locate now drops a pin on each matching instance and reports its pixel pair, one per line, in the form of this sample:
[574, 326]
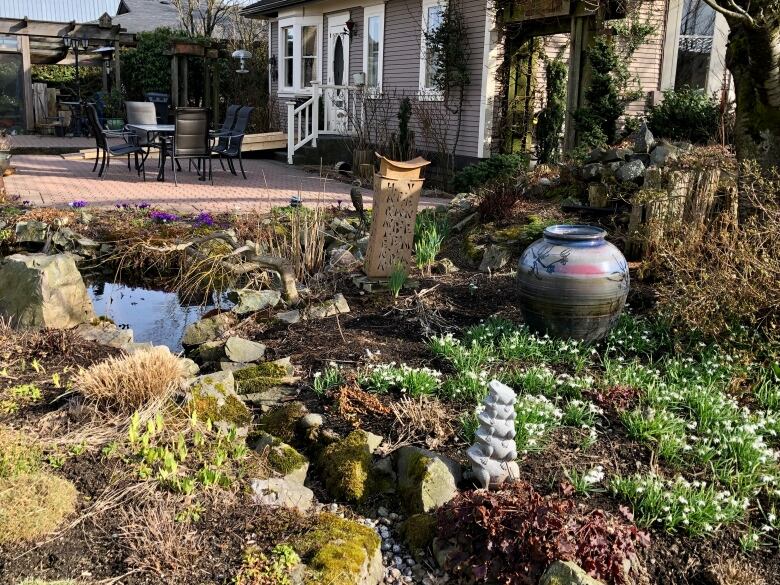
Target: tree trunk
[753, 58]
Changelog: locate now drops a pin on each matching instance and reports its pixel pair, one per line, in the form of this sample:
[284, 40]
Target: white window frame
[370, 12]
[297, 23]
[427, 93]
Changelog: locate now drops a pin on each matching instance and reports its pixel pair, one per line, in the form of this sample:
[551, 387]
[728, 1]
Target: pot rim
[575, 232]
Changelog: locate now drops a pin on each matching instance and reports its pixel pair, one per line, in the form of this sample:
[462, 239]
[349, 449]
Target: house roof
[268, 8]
[146, 15]
[58, 11]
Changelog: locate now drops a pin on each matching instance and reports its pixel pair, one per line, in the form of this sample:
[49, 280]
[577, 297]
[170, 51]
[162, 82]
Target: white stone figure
[494, 453]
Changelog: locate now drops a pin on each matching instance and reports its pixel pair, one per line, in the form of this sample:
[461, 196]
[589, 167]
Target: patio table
[160, 130]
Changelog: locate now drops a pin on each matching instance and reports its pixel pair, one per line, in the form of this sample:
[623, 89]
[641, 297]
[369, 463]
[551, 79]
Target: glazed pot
[573, 283]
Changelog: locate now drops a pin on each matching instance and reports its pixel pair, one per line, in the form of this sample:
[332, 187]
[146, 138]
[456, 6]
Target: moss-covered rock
[347, 469]
[418, 531]
[567, 573]
[282, 458]
[341, 552]
[213, 397]
[281, 422]
[426, 480]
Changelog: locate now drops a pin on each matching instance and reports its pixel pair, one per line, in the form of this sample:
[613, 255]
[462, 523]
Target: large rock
[495, 258]
[663, 153]
[213, 397]
[341, 259]
[347, 466]
[106, 333]
[31, 232]
[278, 492]
[37, 290]
[337, 306]
[289, 317]
[567, 573]
[250, 301]
[238, 349]
[592, 172]
[632, 171]
[208, 329]
[282, 458]
[617, 154]
[644, 140]
[426, 480]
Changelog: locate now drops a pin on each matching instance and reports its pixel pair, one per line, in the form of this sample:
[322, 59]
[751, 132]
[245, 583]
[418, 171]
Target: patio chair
[229, 146]
[101, 143]
[229, 122]
[142, 113]
[191, 139]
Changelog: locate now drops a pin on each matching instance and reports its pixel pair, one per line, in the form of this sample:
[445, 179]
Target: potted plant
[112, 109]
[5, 152]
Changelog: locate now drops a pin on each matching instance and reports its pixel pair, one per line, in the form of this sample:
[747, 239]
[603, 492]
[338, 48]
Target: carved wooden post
[397, 189]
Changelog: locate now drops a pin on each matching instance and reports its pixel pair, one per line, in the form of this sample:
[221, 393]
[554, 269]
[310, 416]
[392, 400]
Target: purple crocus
[144, 205]
[163, 216]
[204, 219]
[78, 204]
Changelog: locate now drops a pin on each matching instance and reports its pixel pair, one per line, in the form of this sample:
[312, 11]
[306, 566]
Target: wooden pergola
[41, 42]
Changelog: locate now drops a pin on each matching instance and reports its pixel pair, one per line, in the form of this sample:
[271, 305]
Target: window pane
[309, 34]
[697, 28]
[434, 18]
[433, 21]
[374, 35]
[287, 62]
[287, 35]
[308, 71]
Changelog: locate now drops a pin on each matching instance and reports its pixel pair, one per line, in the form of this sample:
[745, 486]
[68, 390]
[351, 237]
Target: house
[327, 47]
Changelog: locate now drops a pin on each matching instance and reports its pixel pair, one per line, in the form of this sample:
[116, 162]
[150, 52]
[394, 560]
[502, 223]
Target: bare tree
[205, 17]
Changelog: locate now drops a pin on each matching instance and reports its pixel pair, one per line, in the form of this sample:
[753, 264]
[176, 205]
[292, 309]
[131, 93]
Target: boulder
[632, 171]
[282, 458]
[105, 333]
[211, 351]
[208, 329]
[312, 421]
[617, 154]
[595, 155]
[664, 153]
[342, 259]
[267, 384]
[238, 349]
[592, 172]
[644, 139]
[567, 573]
[340, 226]
[213, 396]
[444, 266]
[250, 301]
[426, 480]
[37, 290]
[463, 201]
[278, 492]
[336, 306]
[282, 421]
[644, 157]
[495, 258]
[347, 466]
[31, 232]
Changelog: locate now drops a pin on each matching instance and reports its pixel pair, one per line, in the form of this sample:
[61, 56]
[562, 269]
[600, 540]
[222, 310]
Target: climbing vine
[552, 117]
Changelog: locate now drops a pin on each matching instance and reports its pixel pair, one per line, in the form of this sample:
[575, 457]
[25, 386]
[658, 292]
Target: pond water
[154, 315]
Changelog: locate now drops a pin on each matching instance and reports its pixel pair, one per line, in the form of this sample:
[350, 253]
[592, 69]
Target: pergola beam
[43, 28]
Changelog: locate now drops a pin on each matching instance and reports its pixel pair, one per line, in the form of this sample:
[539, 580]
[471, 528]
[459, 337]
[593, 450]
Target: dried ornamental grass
[32, 505]
[131, 381]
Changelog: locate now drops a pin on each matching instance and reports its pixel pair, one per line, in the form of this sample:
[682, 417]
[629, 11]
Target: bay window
[299, 49]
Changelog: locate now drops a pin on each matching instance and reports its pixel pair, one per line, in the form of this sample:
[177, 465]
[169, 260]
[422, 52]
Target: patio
[56, 181]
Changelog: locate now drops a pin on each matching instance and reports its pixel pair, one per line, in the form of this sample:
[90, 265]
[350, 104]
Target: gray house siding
[355, 44]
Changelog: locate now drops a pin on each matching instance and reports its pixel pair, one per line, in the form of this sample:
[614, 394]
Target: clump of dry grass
[729, 571]
[18, 454]
[422, 420]
[730, 275]
[157, 543]
[33, 504]
[129, 382]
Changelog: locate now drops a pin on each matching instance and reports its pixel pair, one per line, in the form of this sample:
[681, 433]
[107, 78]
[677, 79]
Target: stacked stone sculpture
[494, 453]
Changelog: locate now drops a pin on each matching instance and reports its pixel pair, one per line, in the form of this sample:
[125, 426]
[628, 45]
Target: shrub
[551, 118]
[498, 199]
[32, 505]
[497, 168]
[511, 536]
[686, 114]
[131, 381]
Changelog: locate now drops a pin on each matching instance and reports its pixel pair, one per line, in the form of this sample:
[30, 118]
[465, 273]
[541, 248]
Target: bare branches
[204, 17]
[732, 10]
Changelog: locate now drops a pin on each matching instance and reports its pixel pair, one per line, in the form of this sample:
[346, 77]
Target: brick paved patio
[55, 181]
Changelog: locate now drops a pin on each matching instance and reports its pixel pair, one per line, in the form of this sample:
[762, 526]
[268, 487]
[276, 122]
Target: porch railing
[340, 113]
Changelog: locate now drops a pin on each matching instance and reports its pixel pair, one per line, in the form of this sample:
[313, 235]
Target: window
[289, 56]
[309, 55]
[373, 44]
[8, 42]
[299, 42]
[432, 16]
[697, 28]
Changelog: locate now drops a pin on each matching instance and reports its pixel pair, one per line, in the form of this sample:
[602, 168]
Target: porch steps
[252, 143]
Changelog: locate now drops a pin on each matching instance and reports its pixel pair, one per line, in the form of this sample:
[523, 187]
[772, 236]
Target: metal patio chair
[103, 147]
[229, 145]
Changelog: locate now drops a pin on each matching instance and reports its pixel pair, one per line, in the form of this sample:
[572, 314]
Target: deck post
[316, 92]
[290, 132]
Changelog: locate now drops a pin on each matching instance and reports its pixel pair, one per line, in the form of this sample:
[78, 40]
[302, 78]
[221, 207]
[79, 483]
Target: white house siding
[647, 60]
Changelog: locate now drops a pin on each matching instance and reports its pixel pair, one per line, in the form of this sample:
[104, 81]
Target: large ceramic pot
[573, 283]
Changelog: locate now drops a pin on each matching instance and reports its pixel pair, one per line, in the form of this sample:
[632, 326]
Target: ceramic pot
[573, 283]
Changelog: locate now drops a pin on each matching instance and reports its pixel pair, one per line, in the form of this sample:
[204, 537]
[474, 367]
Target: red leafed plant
[512, 536]
[617, 398]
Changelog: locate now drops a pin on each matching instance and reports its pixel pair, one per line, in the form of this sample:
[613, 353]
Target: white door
[335, 96]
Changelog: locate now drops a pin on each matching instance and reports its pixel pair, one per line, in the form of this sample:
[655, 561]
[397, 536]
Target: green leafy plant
[412, 381]
[327, 379]
[493, 170]
[552, 117]
[402, 143]
[430, 231]
[397, 279]
[685, 114]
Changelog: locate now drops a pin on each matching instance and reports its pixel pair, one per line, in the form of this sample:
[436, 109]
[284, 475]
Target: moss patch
[257, 385]
[282, 458]
[32, 505]
[281, 422]
[228, 409]
[418, 531]
[337, 549]
[18, 453]
[263, 370]
[346, 466]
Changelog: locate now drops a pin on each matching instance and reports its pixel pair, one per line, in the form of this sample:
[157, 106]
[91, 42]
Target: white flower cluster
[594, 476]
[406, 379]
[536, 417]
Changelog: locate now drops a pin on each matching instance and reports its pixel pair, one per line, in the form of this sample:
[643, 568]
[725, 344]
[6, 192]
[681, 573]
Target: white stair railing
[303, 124]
